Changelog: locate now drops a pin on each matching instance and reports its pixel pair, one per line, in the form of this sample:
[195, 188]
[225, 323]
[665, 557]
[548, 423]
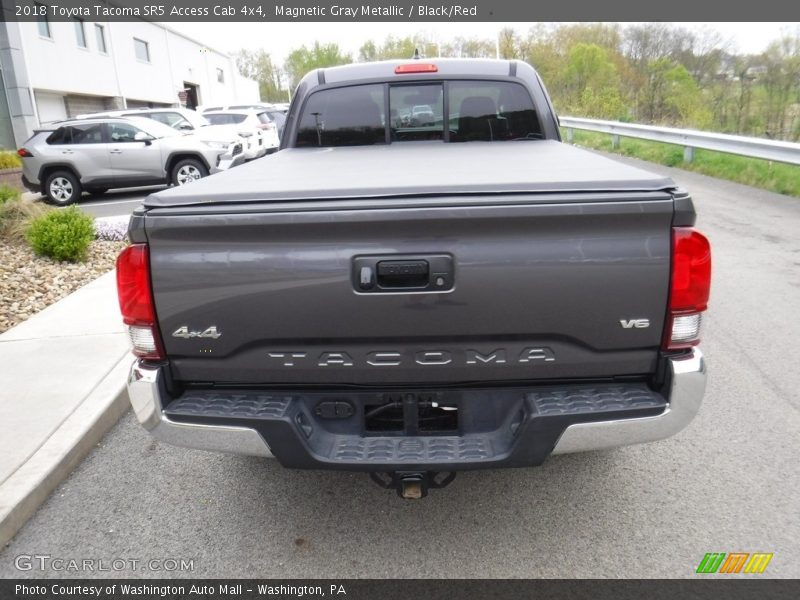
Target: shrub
[10, 160]
[16, 215]
[7, 193]
[62, 234]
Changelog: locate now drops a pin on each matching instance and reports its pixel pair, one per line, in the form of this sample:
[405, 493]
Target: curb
[28, 487]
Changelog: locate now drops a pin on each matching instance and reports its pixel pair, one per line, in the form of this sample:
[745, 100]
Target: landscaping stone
[29, 283]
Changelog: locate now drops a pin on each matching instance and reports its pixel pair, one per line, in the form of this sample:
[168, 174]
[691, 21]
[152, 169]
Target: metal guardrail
[785, 152]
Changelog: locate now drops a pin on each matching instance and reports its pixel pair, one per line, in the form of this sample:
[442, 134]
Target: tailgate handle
[403, 273]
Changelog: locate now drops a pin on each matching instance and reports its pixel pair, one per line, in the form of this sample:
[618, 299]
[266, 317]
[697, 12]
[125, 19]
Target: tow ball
[413, 485]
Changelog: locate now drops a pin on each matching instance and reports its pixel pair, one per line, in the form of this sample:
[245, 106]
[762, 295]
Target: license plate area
[411, 413]
[494, 426]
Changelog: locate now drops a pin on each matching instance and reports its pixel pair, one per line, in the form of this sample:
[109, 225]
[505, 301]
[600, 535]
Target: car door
[84, 147]
[133, 162]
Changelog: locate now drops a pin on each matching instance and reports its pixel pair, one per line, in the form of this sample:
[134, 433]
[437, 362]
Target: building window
[220, 75]
[142, 49]
[100, 34]
[80, 33]
[41, 20]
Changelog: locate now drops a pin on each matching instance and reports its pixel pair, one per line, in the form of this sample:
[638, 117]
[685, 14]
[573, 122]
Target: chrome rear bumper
[687, 381]
[687, 386]
[145, 390]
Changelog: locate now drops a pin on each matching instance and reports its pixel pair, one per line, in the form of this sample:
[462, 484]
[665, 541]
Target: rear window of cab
[451, 111]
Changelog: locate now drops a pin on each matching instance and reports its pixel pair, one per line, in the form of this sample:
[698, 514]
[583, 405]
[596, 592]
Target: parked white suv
[263, 138]
[95, 155]
[276, 112]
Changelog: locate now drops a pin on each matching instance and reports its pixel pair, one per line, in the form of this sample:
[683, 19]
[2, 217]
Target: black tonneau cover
[414, 169]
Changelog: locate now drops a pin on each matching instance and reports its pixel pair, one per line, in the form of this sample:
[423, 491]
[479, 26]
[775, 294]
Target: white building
[52, 70]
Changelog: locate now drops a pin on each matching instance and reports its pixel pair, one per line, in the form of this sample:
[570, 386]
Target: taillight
[136, 301]
[415, 68]
[25, 153]
[690, 284]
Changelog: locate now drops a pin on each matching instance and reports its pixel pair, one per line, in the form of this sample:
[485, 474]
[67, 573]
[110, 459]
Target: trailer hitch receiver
[413, 485]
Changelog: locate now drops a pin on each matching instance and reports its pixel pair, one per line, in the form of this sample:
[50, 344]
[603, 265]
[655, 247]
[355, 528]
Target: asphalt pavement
[113, 203]
[728, 483]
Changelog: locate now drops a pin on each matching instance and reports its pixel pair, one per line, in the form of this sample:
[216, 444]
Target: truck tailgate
[535, 287]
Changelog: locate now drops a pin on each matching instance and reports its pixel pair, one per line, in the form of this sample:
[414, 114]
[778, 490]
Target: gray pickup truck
[411, 299]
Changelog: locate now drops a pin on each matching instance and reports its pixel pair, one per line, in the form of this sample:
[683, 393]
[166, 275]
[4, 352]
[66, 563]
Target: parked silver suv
[95, 155]
[182, 119]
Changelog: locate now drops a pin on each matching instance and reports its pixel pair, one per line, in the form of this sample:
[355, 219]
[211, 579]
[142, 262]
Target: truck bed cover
[415, 169]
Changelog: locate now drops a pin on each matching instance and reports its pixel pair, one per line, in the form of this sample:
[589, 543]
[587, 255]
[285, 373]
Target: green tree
[475, 47]
[672, 96]
[593, 83]
[729, 94]
[650, 72]
[683, 100]
[781, 82]
[302, 60]
[645, 43]
[540, 50]
[651, 49]
[392, 47]
[509, 43]
[368, 52]
[258, 65]
[600, 34]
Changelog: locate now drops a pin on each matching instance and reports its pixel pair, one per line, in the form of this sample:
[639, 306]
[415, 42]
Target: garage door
[50, 106]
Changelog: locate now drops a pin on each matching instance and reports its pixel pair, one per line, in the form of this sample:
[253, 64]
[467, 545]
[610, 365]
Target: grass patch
[17, 214]
[7, 194]
[772, 176]
[9, 160]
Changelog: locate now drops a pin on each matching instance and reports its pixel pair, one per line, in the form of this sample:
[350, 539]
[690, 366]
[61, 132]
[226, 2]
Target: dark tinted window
[278, 117]
[349, 116]
[59, 136]
[123, 132]
[417, 112]
[83, 133]
[491, 111]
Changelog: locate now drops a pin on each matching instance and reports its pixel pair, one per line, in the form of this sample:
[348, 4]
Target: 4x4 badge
[183, 332]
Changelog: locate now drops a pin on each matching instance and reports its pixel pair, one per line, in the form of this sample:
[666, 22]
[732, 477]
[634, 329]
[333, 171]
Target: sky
[280, 38]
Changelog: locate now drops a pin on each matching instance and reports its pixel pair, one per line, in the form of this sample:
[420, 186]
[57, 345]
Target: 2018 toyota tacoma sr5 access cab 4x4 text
[412, 298]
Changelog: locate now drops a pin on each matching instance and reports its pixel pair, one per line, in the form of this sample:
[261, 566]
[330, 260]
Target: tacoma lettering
[395, 358]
